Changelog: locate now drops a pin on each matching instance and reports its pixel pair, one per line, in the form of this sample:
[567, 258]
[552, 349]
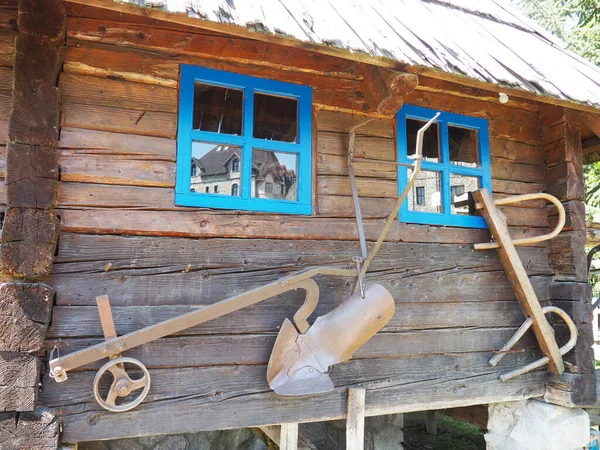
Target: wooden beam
[520, 281]
[431, 423]
[288, 439]
[153, 16]
[355, 421]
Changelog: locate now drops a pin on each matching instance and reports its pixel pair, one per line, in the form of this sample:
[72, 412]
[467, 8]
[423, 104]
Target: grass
[452, 435]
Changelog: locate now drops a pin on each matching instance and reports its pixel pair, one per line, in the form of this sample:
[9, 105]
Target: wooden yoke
[518, 277]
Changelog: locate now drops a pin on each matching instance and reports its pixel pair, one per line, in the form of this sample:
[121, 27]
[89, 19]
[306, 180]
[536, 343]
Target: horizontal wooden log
[338, 165]
[447, 101]
[105, 142]
[565, 181]
[5, 103]
[37, 58]
[127, 170]
[19, 378]
[211, 350]
[507, 170]
[117, 93]
[7, 48]
[31, 180]
[367, 187]
[149, 123]
[209, 405]
[115, 196]
[205, 223]
[25, 316]
[3, 132]
[516, 151]
[37, 430]
[93, 252]
[515, 187]
[575, 215]
[155, 287]
[83, 321]
[372, 147]
[338, 122]
[8, 19]
[572, 390]
[28, 241]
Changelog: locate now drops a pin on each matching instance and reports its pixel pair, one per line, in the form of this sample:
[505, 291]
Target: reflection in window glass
[275, 118]
[463, 146]
[426, 194]
[214, 172]
[274, 175]
[431, 139]
[461, 202]
[217, 109]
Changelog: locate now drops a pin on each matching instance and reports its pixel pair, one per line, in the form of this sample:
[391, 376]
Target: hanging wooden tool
[521, 284]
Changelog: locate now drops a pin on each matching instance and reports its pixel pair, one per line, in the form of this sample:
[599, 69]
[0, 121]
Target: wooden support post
[430, 423]
[288, 439]
[561, 137]
[355, 421]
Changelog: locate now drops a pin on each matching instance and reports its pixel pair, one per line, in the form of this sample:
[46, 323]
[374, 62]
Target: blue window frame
[455, 152]
[246, 147]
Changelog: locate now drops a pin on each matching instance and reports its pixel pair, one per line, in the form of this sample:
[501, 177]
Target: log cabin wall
[122, 235]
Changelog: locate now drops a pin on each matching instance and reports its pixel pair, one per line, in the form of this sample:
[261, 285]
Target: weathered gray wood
[25, 316]
[430, 423]
[288, 439]
[78, 321]
[19, 378]
[192, 399]
[255, 348]
[37, 430]
[28, 242]
[355, 420]
[573, 390]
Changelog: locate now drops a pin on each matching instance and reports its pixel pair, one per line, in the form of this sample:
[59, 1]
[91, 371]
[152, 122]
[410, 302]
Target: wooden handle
[531, 240]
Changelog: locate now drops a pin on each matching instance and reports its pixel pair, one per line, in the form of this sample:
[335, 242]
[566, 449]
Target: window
[420, 191]
[456, 161]
[249, 138]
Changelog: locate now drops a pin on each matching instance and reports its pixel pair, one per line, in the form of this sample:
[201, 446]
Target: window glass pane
[463, 146]
[426, 194]
[460, 186]
[275, 118]
[274, 175]
[213, 169]
[217, 109]
[431, 140]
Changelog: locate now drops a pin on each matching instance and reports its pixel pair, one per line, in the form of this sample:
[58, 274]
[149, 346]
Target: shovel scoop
[300, 363]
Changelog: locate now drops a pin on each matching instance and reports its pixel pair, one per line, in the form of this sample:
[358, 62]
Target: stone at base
[535, 425]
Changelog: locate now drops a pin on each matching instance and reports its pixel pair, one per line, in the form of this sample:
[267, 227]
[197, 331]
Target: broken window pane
[431, 140]
[212, 169]
[217, 109]
[426, 194]
[463, 146]
[460, 201]
[275, 118]
[274, 175]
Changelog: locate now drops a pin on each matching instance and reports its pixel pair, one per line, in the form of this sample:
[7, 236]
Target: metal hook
[519, 334]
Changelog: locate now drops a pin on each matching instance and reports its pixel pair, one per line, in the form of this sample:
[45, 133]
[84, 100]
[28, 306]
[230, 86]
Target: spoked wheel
[122, 385]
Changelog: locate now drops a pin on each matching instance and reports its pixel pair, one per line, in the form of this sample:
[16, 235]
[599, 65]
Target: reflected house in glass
[220, 167]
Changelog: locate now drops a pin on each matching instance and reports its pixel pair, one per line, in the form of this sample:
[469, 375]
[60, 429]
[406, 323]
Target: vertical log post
[355, 421]
[288, 439]
[30, 229]
[561, 137]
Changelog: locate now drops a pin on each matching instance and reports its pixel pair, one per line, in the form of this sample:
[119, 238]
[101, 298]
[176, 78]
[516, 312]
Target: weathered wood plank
[288, 439]
[364, 147]
[7, 48]
[97, 91]
[199, 223]
[163, 287]
[29, 430]
[83, 321]
[193, 399]
[116, 169]
[355, 422]
[105, 142]
[149, 123]
[114, 196]
[508, 170]
[25, 316]
[515, 187]
[19, 378]
[339, 122]
[338, 165]
[516, 151]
